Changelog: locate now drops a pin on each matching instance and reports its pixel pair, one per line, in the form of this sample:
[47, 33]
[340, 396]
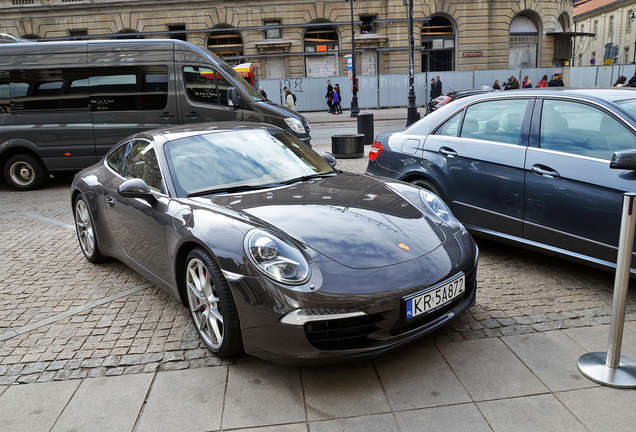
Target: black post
[354, 85]
[412, 107]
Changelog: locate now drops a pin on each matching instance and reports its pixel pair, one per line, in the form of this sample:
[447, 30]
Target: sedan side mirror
[233, 98]
[625, 160]
[136, 188]
[329, 158]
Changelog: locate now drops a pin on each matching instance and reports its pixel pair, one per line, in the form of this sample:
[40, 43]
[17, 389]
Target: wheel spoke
[214, 324]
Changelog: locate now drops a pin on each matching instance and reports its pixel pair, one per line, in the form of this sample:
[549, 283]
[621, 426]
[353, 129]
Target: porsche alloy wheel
[86, 231]
[211, 305]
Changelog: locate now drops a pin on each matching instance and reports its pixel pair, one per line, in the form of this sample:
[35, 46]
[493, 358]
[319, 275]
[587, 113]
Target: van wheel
[24, 172]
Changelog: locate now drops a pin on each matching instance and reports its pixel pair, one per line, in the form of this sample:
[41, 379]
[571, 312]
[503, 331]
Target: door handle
[192, 115]
[167, 115]
[545, 171]
[446, 151]
[110, 201]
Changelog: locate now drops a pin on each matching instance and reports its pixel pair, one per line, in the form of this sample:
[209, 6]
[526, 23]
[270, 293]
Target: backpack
[294, 96]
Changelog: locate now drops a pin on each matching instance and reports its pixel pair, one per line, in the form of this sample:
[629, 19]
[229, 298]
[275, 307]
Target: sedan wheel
[211, 305]
[85, 229]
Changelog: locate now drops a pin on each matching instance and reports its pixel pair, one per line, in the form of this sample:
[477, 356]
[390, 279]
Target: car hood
[354, 220]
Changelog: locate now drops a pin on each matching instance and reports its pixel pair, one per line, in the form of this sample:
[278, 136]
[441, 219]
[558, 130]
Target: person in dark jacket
[438, 86]
[433, 93]
[632, 81]
[329, 96]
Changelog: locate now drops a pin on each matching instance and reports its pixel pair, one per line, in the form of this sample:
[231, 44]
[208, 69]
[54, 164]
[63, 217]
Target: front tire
[211, 305]
[24, 172]
[85, 229]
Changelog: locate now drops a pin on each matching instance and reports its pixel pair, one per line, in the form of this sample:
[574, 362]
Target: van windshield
[240, 81]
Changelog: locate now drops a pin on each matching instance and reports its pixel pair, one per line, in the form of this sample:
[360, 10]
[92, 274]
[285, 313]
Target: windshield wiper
[231, 189]
[306, 178]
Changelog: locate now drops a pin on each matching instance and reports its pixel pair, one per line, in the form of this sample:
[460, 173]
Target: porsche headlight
[440, 209]
[295, 125]
[276, 258]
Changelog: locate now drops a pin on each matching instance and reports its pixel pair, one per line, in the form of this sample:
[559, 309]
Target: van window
[49, 89]
[129, 88]
[4, 93]
[205, 85]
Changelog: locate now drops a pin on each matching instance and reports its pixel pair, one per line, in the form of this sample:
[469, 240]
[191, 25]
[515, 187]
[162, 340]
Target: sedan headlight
[276, 258]
[295, 125]
[440, 209]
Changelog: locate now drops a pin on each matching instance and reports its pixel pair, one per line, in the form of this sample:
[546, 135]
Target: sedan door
[573, 198]
[136, 224]
[483, 163]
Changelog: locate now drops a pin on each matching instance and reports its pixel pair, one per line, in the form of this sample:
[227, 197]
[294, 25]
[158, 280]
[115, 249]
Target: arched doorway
[524, 43]
[438, 45]
[319, 40]
[227, 44]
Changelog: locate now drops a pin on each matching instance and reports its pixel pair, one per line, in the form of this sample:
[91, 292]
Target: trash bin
[347, 146]
[365, 127]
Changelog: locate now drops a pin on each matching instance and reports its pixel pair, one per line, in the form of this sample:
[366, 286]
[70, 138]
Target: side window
[205, 85]
[129, 88]
[5, 103]
[140, 161]
[580, 129]
[115, 158]
[49, 89]
[451, 127]
[498, 121]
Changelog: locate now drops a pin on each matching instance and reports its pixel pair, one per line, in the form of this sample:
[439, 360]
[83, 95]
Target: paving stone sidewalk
[62, 317]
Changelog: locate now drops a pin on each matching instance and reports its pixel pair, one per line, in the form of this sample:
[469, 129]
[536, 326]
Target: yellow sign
[608, 61]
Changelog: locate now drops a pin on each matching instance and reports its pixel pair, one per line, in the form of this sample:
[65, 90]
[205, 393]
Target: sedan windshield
[240, 160]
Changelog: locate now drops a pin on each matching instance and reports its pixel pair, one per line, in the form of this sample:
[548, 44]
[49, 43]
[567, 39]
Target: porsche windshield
[240, 160]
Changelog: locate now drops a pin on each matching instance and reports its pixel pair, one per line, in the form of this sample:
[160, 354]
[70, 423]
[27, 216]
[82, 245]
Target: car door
[204, 95]
[483, 163]
[573, 199]
[137, 225]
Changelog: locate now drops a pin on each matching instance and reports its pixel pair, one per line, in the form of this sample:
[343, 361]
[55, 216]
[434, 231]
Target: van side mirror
[625, 160]
[233, 98]
[136, 188]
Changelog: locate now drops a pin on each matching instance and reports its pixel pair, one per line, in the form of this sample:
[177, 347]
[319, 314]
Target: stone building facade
[613, 25]
[311, 38]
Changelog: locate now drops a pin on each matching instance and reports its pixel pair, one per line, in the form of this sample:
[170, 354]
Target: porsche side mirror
[329, 158]
[625, 160]
[233, 98]
[136, 188]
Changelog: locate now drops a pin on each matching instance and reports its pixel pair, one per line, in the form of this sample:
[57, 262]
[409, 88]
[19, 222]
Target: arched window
[227, 44]
[320, 40]
[438, 45]
[524, 40]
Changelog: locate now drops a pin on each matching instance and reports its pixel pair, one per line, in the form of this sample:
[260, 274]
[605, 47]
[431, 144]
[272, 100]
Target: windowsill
[279, 45]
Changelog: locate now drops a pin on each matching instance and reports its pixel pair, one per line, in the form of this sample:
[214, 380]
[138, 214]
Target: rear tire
[24, 172]
[211, 305]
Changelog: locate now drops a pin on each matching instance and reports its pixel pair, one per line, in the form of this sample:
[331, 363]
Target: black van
[63, 105]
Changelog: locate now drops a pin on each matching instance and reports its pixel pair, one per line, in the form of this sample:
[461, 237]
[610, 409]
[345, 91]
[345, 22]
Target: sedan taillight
[375, 151]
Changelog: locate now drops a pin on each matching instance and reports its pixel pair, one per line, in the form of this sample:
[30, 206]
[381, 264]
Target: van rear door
[203, 92]
[130, 89]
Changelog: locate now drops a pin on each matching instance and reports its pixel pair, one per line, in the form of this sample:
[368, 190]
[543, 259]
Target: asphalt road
[64, 318]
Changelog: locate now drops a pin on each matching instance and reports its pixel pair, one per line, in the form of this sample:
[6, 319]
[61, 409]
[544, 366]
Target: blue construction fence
[391, 90]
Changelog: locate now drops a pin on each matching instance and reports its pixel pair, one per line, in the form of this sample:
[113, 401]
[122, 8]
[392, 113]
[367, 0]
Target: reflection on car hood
[354, 220]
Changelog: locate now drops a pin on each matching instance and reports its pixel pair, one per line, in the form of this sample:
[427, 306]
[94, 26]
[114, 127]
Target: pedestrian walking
[433, 92]
[496, 85]
[337, 109]
[632, 81]
[528, 83]
[329, 96]
[289, 100]
[260, 89]
[543, 82]
[438, 86]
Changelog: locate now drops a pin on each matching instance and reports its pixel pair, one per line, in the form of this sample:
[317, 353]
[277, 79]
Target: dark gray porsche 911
[273, 250]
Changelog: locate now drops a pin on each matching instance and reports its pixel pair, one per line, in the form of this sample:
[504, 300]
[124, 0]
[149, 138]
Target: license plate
[435, 298]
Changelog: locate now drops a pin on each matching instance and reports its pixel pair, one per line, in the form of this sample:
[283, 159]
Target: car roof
[163, 135]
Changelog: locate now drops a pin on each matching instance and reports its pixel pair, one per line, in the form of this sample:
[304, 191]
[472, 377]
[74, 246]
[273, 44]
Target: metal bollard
[611, 368]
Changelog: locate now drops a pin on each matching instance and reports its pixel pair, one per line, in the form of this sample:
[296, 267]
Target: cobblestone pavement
[64, 318]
